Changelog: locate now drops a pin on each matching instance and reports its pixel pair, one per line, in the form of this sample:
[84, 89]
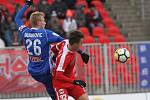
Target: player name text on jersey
[33, 35]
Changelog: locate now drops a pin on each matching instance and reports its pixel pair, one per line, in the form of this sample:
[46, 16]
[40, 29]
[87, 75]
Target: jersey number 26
[35, 45]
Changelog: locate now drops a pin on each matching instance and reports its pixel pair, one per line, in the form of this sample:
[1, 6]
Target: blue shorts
[46, 80]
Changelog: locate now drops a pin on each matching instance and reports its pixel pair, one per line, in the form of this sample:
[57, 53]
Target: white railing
[104, 75]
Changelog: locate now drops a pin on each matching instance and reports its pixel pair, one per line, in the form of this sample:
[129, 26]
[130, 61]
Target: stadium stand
[88, 39]
[92, 31]
[119, 38]
[134, 19]
[98, 31]
[103, 39]
[85, 31]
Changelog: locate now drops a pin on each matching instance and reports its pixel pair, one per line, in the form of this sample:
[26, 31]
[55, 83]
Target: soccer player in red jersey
[64, 80]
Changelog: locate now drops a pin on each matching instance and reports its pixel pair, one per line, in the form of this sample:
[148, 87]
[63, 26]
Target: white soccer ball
[122, 55]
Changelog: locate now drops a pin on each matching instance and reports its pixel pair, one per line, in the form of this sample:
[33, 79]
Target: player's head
[75, 39]
[37, 20]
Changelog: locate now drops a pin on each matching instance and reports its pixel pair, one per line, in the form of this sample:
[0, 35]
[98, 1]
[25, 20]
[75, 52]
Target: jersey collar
[34, 28]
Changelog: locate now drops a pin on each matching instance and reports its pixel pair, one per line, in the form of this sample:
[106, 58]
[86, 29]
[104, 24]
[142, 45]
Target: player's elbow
[16, 17]
[18, 20]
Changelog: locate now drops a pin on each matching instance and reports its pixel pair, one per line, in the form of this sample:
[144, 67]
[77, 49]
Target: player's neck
[38, 27]
[71, 48]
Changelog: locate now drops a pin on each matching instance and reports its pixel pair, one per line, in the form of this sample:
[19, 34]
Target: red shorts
[75, 91]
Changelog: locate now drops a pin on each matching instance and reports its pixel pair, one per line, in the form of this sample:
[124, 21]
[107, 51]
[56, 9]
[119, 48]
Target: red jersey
[64, 73]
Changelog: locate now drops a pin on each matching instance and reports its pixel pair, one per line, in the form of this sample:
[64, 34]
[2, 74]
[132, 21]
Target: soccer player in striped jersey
[64, 80]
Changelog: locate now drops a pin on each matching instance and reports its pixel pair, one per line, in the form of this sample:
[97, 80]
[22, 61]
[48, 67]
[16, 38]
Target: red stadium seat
[96, 79]
[85, 31]
[103, 13]
[91, 70]
[99, 61]
[94, 76]
[4, 2]
[103, 39]
[128, 79]
[36, 1]
[97, 3]
[50, 1]
[113, 31]
[135, 69]
[20, 2]
[93, 50]
[119, 38]
[79, 62]
[111, 51]
[108, 22]
[88, 39]
[133, 59]
[98, 31]
[11, 8]
[112, 78]
[121, 69]
[82, 2]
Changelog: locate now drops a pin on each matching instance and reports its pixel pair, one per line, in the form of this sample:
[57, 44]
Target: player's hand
[85, 57]
[29, 2]
[80, 83]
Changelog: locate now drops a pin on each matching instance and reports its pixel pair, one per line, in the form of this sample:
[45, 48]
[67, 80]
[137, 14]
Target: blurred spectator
[17, 7]
[12, 38]
[54, 24]
[44, 6]
[94, 18]
[2, 43]
[8, 26]
[70, 3]
[60, 7]
[16, 38]
[5, 11]
[89, 2]
[103, 1]
[80, 16]
[69, 22]
[2, 17]
[32, 9]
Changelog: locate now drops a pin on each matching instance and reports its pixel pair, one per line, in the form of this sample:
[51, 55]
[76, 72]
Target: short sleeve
[53, 37]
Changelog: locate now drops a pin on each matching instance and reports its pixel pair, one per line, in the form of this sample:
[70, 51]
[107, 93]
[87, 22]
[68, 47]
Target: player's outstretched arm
[20, 14]
[85, 57]
[53, 37]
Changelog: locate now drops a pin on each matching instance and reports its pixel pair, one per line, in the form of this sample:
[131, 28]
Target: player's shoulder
[23, 28]
[50, 32]
[61, 44]
[64, 42]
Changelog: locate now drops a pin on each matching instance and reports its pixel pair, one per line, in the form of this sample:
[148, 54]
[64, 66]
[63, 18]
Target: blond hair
[35, 17]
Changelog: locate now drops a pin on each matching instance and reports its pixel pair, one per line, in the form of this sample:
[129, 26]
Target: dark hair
[75, 36]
